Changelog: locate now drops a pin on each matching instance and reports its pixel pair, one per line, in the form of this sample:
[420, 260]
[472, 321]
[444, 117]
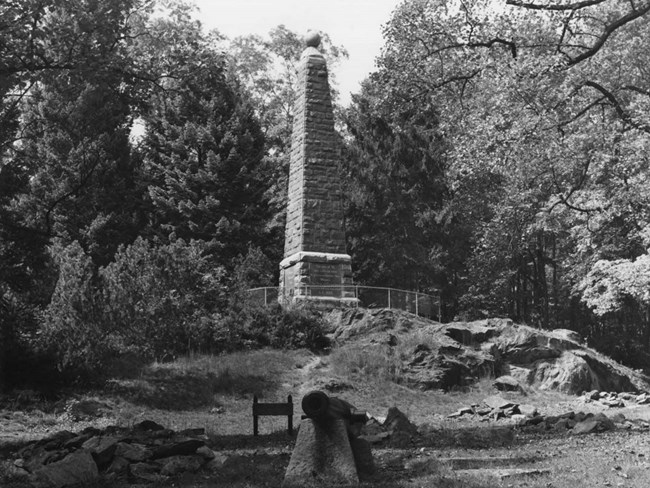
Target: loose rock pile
[616, 400]
[528, 418]
[146, 453]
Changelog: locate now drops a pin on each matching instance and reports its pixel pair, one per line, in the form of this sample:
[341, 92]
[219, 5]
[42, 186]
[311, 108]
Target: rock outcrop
[432, 355]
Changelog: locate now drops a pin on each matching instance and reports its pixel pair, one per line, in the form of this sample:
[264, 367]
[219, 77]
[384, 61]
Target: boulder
[146, 472]
[133, 452]
[182, 447]
[205, 452]
[397, 421]
[148, 426]
[528, 410]
[567, 373]
[118, 466]
[87, 409]
[596, 423]
[174, 465]
[567, 334]
[497, 402]
[217, 462]
[76, 468]
[507, 383]
[102, 448]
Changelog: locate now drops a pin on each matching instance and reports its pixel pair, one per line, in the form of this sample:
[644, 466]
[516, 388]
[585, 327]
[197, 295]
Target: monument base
[323, 280]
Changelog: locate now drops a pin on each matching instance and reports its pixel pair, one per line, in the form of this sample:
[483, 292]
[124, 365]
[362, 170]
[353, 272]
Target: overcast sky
[353, 24]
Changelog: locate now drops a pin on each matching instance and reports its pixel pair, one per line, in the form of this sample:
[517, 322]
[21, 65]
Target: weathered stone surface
[205, 452]
[148, 425]
[133, 452]
[78, 467]
[567, 373]
[567, 334]
[87, 409]
[322, 456]
[469, 333]
[181, 464]
[102, 448]
[535, 358]
[397, 421]
[314, 249]
[498, 402]
[39, 457]
[585, 427]
[179, 448]
[528, 410]
[595, 423]
[216, 463]
[119, 466]
[146, 472]
[507, 383]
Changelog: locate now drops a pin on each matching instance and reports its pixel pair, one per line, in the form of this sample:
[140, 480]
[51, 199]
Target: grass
[215, 392]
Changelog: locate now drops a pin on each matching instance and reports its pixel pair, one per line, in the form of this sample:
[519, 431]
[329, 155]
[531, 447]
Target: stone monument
[315, 265]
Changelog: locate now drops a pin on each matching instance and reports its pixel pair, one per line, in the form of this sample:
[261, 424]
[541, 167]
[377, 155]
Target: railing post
[256, 429]
[389, 298]
[416, 304]
[266, 300]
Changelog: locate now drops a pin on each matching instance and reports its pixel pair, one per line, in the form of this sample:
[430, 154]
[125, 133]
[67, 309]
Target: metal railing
[422, 304]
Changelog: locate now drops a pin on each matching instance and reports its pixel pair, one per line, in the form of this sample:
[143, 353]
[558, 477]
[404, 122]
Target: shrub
[158, 296]
[155, 301]
[271, 326]
[72, 329]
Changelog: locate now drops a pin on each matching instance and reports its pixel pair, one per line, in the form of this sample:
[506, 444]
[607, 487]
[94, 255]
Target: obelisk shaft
[315, 264]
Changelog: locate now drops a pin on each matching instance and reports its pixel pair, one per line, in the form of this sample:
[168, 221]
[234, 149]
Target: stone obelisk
[315, 267]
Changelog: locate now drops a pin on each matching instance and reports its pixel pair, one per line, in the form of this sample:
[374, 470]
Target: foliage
[543, 109]
[158, 296]
[152, 301]
[250, 327]
[72, 327]
[608, 283]
[203, 149]
[395, 190]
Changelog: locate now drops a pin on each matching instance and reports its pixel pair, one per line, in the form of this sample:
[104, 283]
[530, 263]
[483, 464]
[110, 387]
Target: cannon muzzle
[318, 405]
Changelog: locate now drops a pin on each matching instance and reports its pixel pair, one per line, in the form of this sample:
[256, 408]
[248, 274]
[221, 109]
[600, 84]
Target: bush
[158, 297]
[72, 329]
[154, 301]
[271, 326]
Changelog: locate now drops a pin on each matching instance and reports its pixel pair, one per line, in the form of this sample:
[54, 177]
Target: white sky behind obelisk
[354, 24]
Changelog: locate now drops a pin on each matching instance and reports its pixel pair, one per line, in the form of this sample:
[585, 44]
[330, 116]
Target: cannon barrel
[318, 405]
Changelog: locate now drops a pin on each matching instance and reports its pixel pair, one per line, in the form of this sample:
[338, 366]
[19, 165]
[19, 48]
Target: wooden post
[256, 428]
[290, 415]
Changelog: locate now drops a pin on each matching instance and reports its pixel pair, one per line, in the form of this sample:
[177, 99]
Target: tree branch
[609, 30]
[622, 114]
[548, 6]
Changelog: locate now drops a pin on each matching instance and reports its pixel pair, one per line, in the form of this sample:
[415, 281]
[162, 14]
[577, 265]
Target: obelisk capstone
[315, 265]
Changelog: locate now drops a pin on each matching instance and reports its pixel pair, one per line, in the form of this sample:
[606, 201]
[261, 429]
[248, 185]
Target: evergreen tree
[203, 150]
[395, 191]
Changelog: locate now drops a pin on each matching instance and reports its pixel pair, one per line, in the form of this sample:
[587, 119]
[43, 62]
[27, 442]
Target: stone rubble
[528, 418]
[147, 453]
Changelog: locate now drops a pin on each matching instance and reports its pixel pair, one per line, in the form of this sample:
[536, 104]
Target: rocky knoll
[431, 355]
